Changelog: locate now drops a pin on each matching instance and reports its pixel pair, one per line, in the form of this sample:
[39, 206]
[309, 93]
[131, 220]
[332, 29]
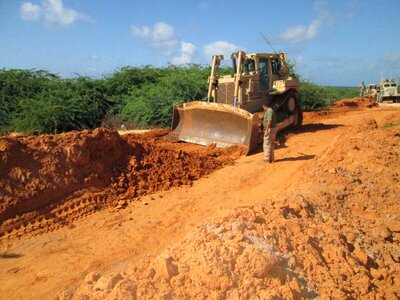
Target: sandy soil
[322, 221]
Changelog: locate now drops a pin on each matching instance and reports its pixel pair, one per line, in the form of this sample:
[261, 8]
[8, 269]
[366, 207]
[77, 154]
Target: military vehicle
[232, 114]
[389, 91]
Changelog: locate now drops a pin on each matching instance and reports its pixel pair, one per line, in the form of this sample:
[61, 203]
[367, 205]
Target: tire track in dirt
[51, 181]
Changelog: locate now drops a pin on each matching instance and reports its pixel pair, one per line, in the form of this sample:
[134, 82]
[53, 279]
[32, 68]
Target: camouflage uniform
[269, 135]
[269, 141]
[362, 89]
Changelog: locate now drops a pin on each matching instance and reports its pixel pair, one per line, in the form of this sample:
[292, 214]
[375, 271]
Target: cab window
[249, 65]
[264, 75]
[276, 66]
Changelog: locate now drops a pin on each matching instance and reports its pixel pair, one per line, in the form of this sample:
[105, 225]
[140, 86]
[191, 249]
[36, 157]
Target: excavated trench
[49, 181]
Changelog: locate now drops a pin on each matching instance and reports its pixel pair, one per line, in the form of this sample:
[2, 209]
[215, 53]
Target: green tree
[16, 85]
[152, 103]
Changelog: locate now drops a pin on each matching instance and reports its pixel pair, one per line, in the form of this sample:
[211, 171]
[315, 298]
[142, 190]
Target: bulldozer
[233, 111]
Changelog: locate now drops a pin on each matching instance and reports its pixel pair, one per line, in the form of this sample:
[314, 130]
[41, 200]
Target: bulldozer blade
[206, 123]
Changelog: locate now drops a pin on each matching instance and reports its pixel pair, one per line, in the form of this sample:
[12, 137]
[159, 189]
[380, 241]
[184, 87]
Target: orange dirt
[50, 180]
[322, 221]
[341, 107]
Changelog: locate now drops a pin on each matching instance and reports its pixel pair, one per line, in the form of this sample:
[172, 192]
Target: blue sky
[331, 42]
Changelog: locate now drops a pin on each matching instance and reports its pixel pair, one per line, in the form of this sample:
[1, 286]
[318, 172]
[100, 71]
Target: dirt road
[109, 240]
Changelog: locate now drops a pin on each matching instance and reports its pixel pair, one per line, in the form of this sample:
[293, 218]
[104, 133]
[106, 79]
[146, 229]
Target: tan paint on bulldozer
[233, 116]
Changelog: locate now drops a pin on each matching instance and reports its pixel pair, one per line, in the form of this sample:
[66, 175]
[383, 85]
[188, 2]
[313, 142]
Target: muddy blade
[212, 123]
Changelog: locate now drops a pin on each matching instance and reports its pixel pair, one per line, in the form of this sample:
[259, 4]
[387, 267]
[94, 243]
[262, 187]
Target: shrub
[152, 103]
[314, 96]
[16, 85]
[36, 101]
[58, 106]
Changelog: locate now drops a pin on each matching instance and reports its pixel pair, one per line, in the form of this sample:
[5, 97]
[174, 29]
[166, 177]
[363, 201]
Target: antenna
[265, 38]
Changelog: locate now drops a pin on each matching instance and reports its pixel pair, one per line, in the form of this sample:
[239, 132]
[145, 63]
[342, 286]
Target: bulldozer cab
[254, 78]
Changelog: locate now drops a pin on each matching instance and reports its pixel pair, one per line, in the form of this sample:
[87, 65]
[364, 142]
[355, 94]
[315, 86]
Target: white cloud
[302, 33]
[30, 12]
[140, 32]
[161, 37]
[187, 52]
[51, 12]
[55, 12]
[324, 17]
[220, 47]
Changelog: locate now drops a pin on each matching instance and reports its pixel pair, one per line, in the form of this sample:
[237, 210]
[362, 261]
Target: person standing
[269, 123]
[362, 89]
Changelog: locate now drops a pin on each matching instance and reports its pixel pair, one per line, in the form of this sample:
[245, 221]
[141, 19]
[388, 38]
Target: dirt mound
[336, 235]
[356, 186]
[246, 253]
[160, 165]
[339, 108]
[51, 180]
[38, 171]
[252, 252]
[358, 102]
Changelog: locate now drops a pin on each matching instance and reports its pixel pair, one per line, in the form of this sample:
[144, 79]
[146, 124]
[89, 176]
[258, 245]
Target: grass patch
[389, 125]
